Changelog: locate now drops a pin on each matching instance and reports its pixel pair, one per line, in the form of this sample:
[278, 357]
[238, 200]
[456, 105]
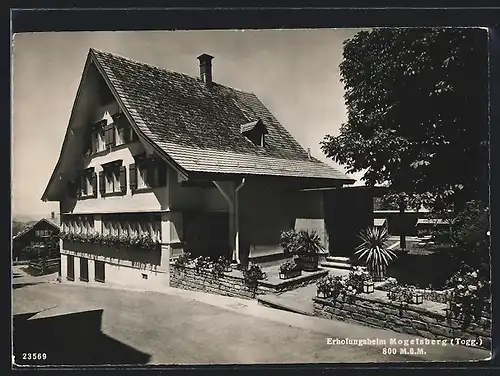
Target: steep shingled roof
[50, 221]
[200, 128]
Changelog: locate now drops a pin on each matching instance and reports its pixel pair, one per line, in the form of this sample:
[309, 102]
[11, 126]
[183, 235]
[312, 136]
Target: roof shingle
[200, 128]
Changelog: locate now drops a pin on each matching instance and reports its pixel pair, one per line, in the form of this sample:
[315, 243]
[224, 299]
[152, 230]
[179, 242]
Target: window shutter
[102, 186]
[107, 135]
[132, 176]
[82, 184]
[123, 179]
[112, 135]
[94, 184]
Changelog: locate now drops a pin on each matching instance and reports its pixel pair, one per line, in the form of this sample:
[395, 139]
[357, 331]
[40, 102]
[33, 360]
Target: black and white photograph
[250, 197]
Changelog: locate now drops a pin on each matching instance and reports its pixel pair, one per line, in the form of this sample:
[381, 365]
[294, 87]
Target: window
[113, 179]
[70, 268]
[255, 131]
[147, 173]
[124, 132]
[97, 135]
[88, 184]
[84, 269]
[100, 275]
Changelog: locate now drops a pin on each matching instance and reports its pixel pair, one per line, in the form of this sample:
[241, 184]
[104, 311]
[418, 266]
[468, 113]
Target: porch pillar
[228, 191]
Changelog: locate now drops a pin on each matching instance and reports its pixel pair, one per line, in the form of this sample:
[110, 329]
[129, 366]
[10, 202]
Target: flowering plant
[134, 240]
[357, 277]
[94, 237]
[470, 294]
[202, 263]
[331, 286]
[183, 259]
[401, 294]
[253, 274]
[288, 267]
[147, 242]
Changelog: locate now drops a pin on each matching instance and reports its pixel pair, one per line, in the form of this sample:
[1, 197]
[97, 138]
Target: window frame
[84, 261]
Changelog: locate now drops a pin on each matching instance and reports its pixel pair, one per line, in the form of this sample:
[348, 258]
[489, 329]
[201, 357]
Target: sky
[295, 73]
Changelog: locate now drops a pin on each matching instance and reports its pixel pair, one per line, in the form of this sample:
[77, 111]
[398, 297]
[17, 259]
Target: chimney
[206, 69]
[309, 153]
[52, 215]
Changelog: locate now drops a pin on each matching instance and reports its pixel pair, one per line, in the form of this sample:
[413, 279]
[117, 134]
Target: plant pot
[290, 274]
[309, 264]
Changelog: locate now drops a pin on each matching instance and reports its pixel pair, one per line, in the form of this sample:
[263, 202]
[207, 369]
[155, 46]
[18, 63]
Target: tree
[417, 114]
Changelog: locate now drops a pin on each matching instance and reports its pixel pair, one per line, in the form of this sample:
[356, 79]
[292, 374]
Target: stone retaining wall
[190, 279]
[233, 283]
[428, 322]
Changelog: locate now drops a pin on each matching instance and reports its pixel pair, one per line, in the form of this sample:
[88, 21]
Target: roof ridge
[166, 69]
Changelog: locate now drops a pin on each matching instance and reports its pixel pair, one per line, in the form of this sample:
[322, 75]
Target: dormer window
[255, 132]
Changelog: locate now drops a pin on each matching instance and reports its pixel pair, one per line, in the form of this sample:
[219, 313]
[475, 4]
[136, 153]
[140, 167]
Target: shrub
[470, 294]
[184, 259]
[253, 274]
[373, 250]
[469, 235]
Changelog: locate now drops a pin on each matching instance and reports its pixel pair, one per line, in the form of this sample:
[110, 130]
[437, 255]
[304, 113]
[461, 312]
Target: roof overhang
[144, 138]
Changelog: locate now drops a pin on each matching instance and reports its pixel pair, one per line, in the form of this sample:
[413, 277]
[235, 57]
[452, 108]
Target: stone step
[335, 265]
[341, 259]
[289, 305]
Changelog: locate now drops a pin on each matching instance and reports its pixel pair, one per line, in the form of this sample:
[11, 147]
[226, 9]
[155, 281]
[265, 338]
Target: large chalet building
[155, 163]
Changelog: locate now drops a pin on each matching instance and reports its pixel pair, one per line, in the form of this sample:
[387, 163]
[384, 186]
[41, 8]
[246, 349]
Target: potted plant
[374, 252]
[305, 245]
[289, 269]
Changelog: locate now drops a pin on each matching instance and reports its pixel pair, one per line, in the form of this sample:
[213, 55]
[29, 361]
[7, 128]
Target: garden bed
[438, 296]
[233, 284]
[428, 320]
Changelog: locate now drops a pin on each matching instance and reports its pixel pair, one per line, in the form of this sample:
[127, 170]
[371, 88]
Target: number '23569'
[34, 356]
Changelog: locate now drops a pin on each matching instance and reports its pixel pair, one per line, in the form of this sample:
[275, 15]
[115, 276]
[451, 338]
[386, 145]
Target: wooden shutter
[123, 179]
[83, 186]
[94, 184]
[132, 172]
[107, 135]
[112, 135]
[102, 186]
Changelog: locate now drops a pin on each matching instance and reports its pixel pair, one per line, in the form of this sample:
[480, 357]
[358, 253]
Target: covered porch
[256, 210]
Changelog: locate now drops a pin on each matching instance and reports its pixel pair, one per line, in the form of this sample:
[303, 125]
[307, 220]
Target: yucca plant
[374, 252]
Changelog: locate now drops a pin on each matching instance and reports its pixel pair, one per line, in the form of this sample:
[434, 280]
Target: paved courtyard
[96, 325]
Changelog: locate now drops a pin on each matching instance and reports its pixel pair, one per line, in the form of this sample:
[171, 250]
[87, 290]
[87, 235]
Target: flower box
[290, 274]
